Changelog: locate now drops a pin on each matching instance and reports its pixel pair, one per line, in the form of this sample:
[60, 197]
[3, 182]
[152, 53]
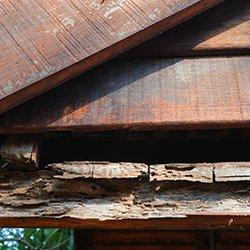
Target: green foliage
[36, 239]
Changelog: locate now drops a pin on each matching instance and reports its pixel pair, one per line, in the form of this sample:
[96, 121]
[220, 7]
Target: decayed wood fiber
[100, 170]
[185, 172]
[21, 152]
[44, 193]
[193, 172]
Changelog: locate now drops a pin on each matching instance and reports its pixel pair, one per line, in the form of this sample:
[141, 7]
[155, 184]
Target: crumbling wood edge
[20, 152]
[192, 172]
[124, 195]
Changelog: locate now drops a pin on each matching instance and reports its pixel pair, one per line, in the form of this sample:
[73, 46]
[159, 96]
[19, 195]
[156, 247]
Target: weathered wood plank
[223, 30]
[42, 198]
[182, 172]
[201, 172]
[232, 171]
[188, 222]
[100, 170]
[44, 43]
[143, 94]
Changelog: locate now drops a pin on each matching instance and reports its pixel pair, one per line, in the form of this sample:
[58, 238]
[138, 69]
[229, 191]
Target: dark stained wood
[44, 43]
[162, 239]
[143, 94]
[223, 30]
[198, 221]
[136, 239]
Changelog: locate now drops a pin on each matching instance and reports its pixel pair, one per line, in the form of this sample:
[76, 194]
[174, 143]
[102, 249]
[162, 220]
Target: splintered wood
[72, 195]
[20, 152]
[182, 172]
[192, 172]
[100, 170]
[44, 43]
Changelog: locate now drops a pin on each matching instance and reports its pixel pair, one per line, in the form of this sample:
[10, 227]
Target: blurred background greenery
[36, 238]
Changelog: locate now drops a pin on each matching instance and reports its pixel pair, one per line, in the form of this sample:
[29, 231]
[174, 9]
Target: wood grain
[43, 199]
[223, 30]
[20, 153]
[171, 172]
[228, 172]
[143, 94]
[100, 170]
[44, 43]
[182, 172]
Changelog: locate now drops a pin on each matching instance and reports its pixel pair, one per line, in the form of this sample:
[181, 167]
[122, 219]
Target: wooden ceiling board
[45, 43]
[140, 94]
[223, 30]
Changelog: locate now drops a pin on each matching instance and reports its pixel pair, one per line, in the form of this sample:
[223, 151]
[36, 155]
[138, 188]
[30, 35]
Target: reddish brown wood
[201, 222]
[44, 43]
[143, 94]
[162, 239]
[135, 239]
[224, 29]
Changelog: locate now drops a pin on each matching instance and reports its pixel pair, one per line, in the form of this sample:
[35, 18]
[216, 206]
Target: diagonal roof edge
[25, 78]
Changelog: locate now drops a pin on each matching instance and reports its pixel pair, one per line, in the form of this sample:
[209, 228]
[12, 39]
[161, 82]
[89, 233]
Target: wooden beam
[45, 43]
[43, 199]
[223, 30]
[195, 221]
[157, 94]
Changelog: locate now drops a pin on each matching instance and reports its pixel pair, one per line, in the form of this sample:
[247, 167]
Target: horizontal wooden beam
[223, 30]
[43, 198]
[189, 222]
[156, 94]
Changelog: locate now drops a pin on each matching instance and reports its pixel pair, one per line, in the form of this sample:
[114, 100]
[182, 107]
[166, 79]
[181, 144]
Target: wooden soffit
[45, 43]
[143, 94]
[149, 93]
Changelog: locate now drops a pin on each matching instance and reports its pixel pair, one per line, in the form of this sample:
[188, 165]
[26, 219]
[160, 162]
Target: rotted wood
[20, 152]
[156, 94]
[183, 172]
[44, 43]
[100, 170]
[43, 198]
[223, 30]
[202, 172]
[232, 172]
